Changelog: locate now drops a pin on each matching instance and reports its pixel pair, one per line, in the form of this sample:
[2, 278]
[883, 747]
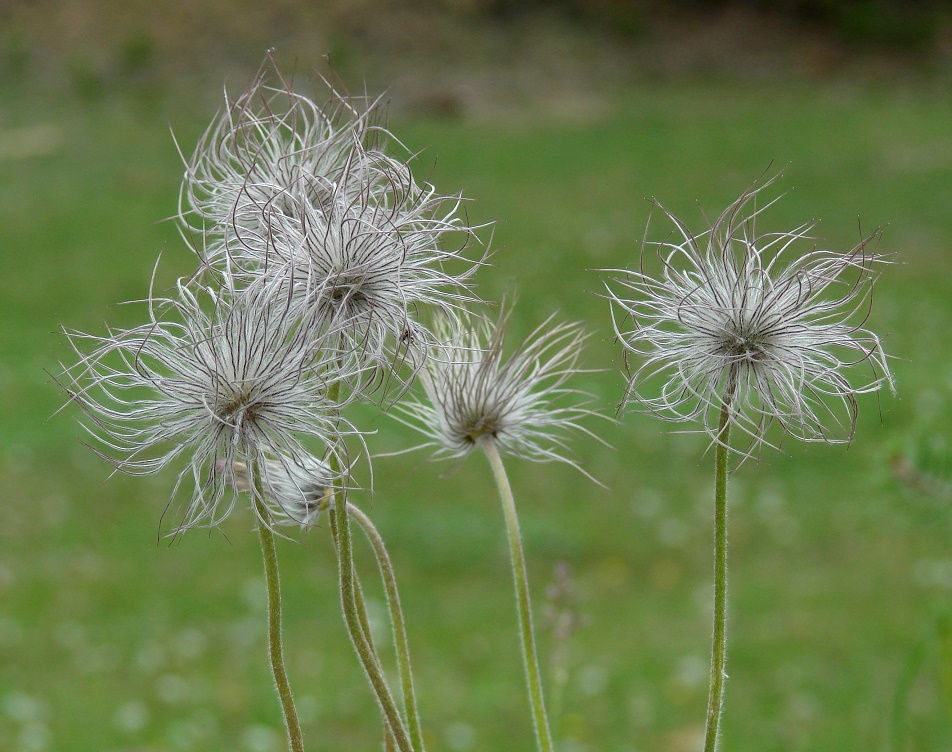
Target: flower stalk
[399, 626]
[516, 406]
[719, 640]
[340, 529]
[783, 333]
[275, 646]
[523, 606]
[388, 741]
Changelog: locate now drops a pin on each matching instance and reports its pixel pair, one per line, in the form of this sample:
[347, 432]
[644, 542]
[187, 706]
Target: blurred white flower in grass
[172, 688]
[241, 380]
[131, 717]
[460, 736]
[21, 707]
[521, 404]
[260, 738]
[737, 317]
[34, 737]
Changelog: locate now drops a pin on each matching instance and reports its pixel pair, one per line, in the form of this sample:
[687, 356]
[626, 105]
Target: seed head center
[240, 404]
[744, 343]
[480, 427]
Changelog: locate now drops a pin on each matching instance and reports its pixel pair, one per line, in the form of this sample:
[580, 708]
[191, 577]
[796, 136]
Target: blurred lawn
[841, 580]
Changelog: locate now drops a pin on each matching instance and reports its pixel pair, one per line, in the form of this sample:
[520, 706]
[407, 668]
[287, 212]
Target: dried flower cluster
[321, 260]
[318, 251]
[282, 188]
[237, 381]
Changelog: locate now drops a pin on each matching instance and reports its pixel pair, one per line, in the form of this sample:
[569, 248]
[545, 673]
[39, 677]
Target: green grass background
[841, 579]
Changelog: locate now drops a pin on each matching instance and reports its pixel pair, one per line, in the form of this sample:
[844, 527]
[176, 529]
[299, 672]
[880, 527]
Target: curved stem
[529, 654]
[275, 648]
[399, 625]
[355, 616]
[719, 641]
[340, 528]
[361, 604]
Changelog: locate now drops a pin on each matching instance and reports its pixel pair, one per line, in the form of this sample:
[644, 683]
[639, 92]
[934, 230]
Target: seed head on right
[740, 319]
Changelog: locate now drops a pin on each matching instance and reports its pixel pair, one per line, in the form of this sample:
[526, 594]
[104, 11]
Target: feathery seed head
[736, 318]
[271, 149]
[520, 403]
[289, 190]
[242, 382]
[369, 268]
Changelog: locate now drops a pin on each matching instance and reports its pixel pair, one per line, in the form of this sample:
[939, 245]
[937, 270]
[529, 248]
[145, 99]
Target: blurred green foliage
[98, 45]
[911, 25]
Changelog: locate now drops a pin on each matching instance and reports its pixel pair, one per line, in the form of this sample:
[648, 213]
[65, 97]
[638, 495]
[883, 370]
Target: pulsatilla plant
[738, 332]
[282, 188]
[236, 380]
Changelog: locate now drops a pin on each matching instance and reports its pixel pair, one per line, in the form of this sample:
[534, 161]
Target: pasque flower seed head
[520, 403]
[270, 149]
[284, 188]
[295, 489]
[371, 268]
[738, 317]
[241, 382]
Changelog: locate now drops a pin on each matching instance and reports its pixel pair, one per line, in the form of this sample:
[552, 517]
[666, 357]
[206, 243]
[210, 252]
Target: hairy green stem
[399, 625]
[355, 614]
[719, 641]
[388, 742]
[275, 648]
[529, 654]
[340, 528]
